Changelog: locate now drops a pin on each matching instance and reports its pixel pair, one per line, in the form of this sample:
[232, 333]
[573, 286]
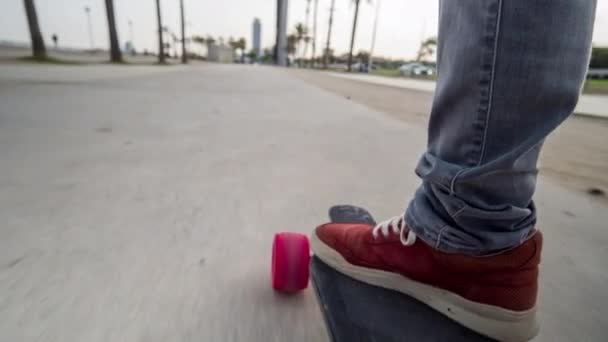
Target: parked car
[416, 69]
[361, 67]
[597, 73]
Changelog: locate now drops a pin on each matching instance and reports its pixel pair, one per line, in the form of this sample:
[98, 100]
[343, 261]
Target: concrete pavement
[140, 206]
[594, 105]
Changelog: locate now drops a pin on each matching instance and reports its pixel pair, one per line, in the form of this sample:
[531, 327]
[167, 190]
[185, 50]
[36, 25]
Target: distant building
[257, 37]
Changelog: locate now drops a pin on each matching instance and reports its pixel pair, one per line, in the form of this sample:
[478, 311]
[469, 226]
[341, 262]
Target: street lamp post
[87, 10]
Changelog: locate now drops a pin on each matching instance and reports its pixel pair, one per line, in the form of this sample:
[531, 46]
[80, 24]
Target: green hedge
[599, 58]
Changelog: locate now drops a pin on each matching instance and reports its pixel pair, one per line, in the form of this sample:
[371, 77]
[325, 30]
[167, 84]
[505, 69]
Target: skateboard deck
[355, 311]
[350, 214]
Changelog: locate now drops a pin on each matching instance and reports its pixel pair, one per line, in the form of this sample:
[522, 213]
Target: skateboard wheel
[290, 262]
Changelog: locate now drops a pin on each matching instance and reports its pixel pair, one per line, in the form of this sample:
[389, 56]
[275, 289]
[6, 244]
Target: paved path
[141, 206]
[594, 105]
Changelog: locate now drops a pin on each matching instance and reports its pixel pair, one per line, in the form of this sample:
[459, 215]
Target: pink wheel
[290, 262]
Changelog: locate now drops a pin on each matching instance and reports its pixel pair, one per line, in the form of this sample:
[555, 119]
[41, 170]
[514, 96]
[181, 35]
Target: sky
[402, 23]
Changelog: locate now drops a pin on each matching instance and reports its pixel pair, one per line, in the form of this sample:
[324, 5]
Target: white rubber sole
[494, 322]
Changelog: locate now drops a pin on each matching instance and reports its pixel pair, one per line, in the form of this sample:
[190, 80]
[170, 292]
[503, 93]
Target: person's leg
[509, 73]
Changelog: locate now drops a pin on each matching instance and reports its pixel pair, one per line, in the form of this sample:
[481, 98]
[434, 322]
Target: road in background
[594, 105]
[576, 155]
[139, 205]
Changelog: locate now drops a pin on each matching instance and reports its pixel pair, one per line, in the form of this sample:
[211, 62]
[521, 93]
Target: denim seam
[426, 236]
[453, 182]
[455, 215]
[438, 243]
[491, 85]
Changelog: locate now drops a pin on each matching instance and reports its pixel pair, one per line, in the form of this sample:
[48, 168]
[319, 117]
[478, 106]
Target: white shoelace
[397, 224]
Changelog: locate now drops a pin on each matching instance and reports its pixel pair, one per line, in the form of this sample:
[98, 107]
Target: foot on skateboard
[352, 310]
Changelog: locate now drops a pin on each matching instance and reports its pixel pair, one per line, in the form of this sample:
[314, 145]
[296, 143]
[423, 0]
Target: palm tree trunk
[281, 43]
[38, 48]
[115, 54]
[331, 21]
[161, 45]
[352, 37]
[314, 33]
[370, 62]
[306, 27]
[277, 30]
[184, 55]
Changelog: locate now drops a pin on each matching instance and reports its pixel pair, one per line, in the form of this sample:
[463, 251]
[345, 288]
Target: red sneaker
[494, 295]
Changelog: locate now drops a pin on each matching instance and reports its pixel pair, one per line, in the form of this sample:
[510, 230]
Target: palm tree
[275, 52]
[314, 33]
[291, 44]
[38, 48]
[115, 54]
[306, 27]
[161, 46]
[301, 34]
[363, 56]
[352, 37]
[326, 53]
[371, 50]
[184, 53]
[242, 43]
[427, 48]
[199, 40]
[307, 39]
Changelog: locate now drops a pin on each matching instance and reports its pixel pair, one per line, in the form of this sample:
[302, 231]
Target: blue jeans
[509, 72]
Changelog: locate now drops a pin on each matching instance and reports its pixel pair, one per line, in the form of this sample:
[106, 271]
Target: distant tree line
[300, 35]
[38, 46]
[39, 49]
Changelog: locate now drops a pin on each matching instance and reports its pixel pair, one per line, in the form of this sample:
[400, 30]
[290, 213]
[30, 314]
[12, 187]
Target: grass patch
[596, 87]
[598, 83]
[397, 73]
[387, 72]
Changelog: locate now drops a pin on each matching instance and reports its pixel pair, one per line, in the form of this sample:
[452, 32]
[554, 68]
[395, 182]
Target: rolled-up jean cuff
[431, 234]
